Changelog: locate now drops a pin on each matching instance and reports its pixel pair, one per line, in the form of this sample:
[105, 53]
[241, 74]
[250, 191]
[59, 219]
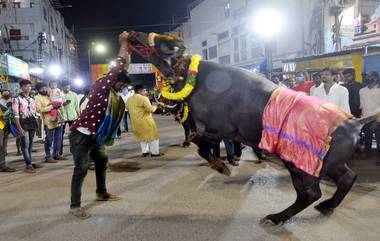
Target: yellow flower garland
[185, 114]
[190, 82]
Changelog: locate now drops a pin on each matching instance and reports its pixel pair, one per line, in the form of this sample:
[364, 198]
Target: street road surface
[177, 197]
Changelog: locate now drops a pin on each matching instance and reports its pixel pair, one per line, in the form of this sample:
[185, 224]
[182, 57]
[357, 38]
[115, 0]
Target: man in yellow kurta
[142, 122]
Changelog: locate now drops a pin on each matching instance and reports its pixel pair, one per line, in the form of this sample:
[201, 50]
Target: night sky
[100, 20]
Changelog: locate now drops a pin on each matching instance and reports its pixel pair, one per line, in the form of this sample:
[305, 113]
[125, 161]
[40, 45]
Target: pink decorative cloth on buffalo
[298, 128]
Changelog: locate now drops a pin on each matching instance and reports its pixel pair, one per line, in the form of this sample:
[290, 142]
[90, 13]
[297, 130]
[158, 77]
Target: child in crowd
[56, 98]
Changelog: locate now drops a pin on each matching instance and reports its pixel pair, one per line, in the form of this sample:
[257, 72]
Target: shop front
[352, 58]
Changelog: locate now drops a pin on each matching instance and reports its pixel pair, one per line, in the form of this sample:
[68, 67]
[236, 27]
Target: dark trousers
[368, 136]
[63, 134]
[232, 148]
[126, 114]
[83, 147]
[2, 148]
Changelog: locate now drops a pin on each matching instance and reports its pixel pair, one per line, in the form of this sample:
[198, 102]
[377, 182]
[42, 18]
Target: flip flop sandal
[79, 213]
[108, 197]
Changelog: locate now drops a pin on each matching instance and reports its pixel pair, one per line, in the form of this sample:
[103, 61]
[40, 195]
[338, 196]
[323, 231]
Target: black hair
[25, 82]
[40, 85]
[349, 71]
[65, 83]
[373, 74]
[123, 77]
[332, 71]
[138, 88]
[316, 74]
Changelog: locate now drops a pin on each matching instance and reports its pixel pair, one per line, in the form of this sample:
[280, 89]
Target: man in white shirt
[369, 104]
[331, 91]
[317, 82]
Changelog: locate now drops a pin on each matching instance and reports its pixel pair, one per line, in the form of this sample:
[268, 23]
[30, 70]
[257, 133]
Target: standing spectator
[84, 100]
[126, 94]
[4, 100]
[353, 88]
[317, 83]
[332, 92]
[369, 104]
[143, 125]
[24, 109]
[302, 85]
[275, 79]
[87, 139]
[4, 132]
[70, 110]
[53, 129]
[290, 83]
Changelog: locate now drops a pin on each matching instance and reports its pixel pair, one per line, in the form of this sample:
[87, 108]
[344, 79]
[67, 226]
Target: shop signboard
[3, 65]
[17, 67]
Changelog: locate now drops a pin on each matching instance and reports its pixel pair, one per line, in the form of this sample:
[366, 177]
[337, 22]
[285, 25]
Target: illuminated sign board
[140, 69]
[3, 65]
[17, 67]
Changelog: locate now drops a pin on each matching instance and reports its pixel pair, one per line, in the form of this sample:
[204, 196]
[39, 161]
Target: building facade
[222, 31]
[34, 31]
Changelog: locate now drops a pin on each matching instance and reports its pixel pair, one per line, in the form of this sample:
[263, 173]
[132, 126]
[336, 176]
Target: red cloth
[54, 112]
[298, 128]
[304, 87]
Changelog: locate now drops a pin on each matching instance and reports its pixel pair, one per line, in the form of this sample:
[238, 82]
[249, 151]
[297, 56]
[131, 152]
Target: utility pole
[42, 39]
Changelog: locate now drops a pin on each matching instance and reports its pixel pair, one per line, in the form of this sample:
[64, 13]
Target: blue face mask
[300, 79]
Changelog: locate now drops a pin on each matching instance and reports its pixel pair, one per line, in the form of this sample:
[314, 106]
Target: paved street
[178, 198]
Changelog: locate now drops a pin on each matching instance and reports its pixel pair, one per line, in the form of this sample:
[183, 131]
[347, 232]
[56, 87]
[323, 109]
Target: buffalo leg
[204, 150]
[343, 145]
[344, 178]
[308, 191]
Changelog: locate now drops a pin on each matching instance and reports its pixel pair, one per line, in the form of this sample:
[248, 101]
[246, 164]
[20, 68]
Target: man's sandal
[79, 213]
[107, 197]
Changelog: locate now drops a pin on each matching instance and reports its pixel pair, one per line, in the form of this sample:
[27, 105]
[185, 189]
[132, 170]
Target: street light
[98, 48]
[266, 24]
[78, 82]
[55, 70]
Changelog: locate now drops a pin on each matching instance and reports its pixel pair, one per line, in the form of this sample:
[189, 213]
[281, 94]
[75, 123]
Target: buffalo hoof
[324, 208]
[220, 167]
[224, 170]
[272, 220]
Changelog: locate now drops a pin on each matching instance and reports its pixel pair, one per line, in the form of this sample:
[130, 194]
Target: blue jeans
[53, 137]
[229, 149]
[26, 146]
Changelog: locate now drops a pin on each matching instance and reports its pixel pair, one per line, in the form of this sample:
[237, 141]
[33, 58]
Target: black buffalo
[229, 102]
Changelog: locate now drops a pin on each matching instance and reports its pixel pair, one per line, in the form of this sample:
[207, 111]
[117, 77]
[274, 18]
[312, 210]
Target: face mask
[300, 79]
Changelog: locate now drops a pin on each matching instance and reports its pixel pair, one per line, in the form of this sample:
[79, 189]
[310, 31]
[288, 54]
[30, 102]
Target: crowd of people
[94, 119]
[341, 88]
